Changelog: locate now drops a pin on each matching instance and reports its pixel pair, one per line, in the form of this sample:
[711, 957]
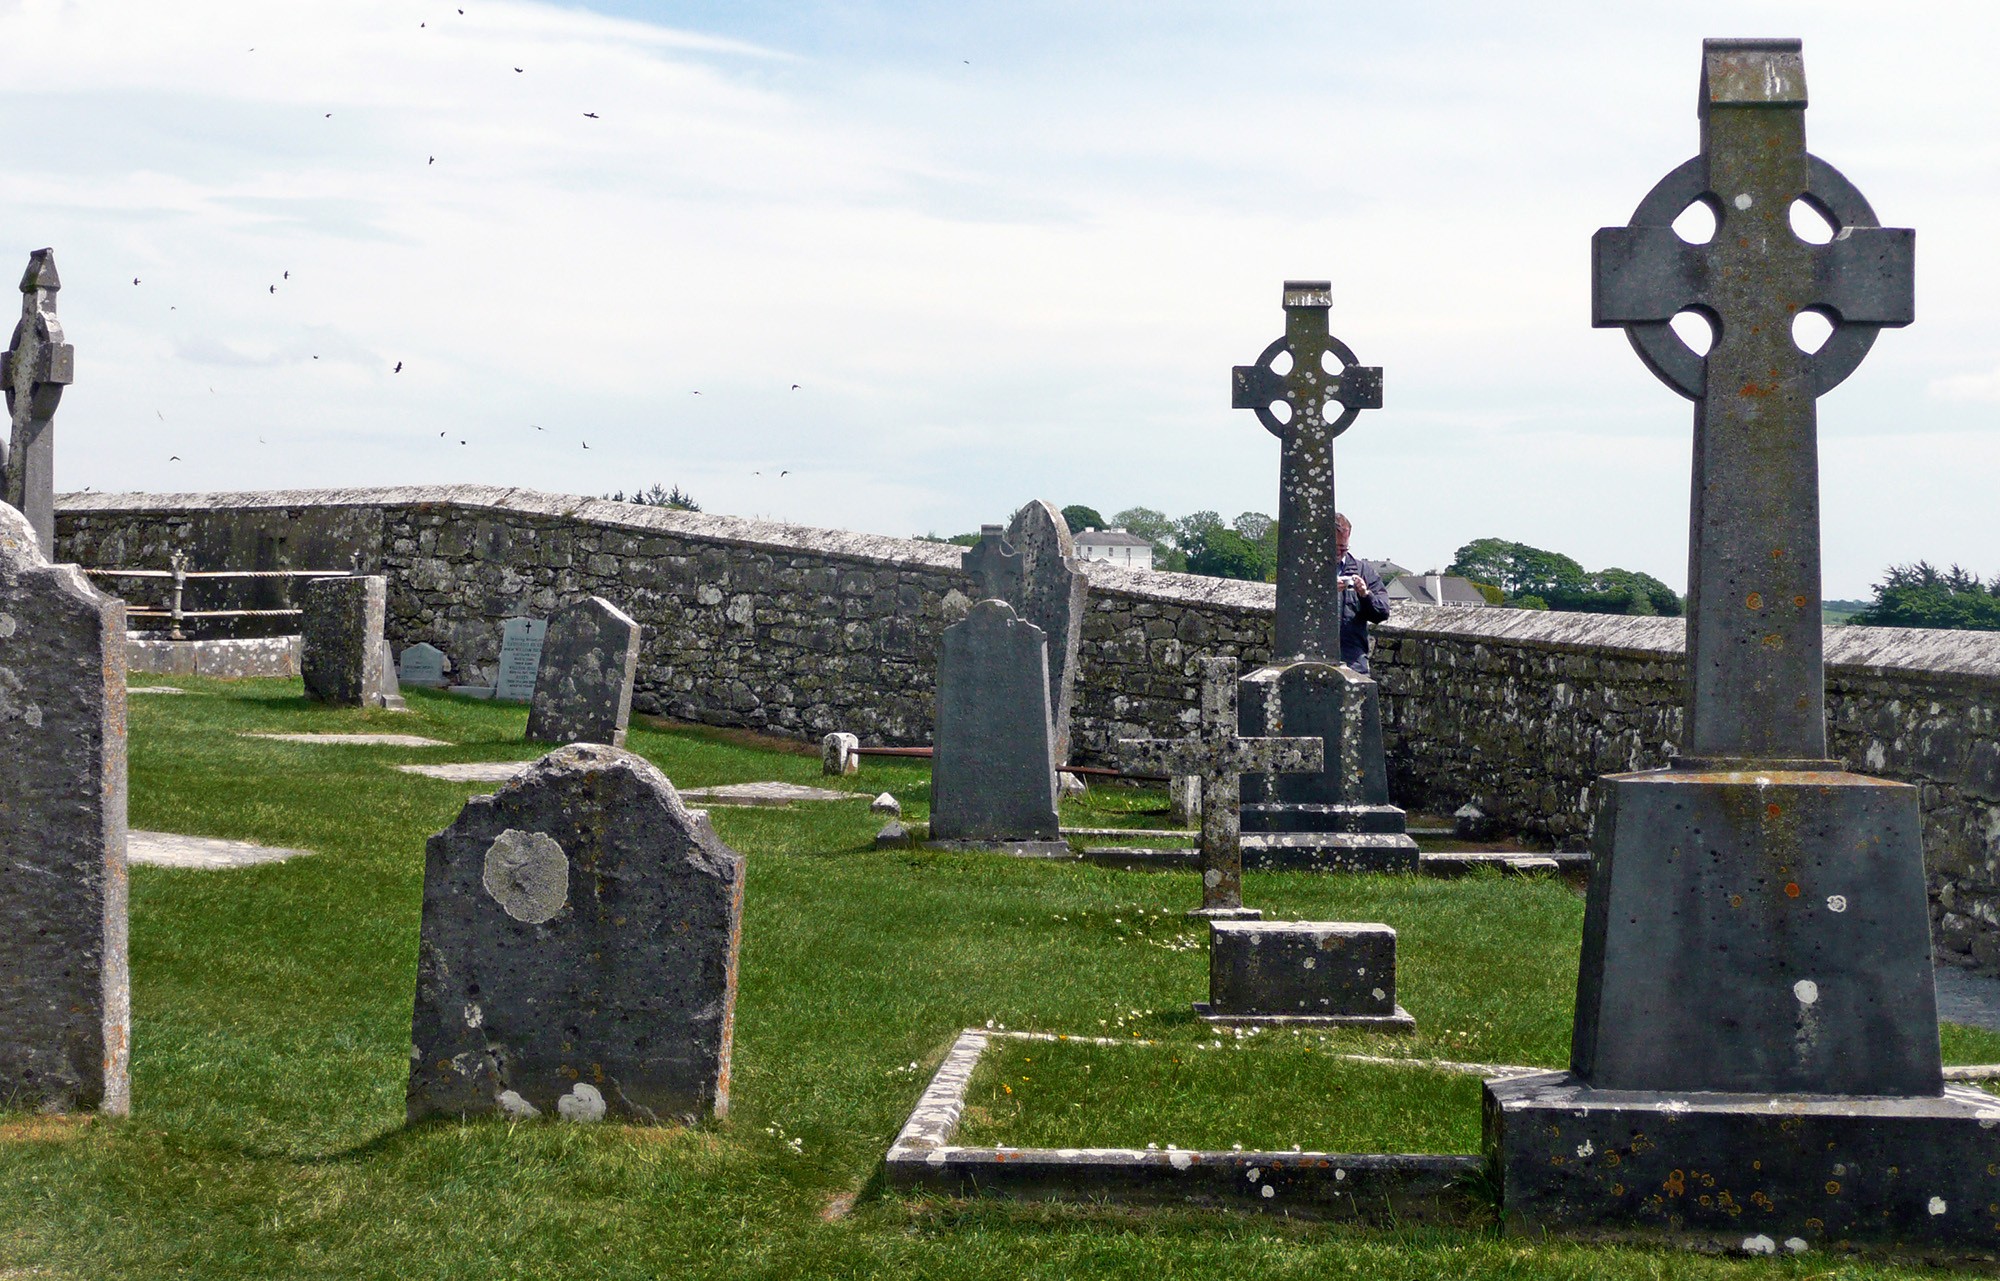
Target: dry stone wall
[803, 631]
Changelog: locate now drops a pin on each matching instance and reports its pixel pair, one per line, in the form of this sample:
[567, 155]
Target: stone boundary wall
[800, 631]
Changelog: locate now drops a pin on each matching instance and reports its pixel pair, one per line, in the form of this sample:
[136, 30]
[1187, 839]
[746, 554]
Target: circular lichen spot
[527, 874]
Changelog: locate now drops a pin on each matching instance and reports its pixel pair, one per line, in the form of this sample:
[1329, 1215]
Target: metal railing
[180, 574]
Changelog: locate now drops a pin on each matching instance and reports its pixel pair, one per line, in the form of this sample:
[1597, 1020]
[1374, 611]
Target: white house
[1436, 589]
[1116, 546]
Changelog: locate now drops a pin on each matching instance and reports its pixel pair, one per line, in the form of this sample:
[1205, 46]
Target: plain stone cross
[1322, 403]
[997, 564]
[1220, 757]
[36, 367]
[1756, 688]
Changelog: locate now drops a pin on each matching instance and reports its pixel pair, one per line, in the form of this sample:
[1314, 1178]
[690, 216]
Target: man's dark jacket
[1357, 610]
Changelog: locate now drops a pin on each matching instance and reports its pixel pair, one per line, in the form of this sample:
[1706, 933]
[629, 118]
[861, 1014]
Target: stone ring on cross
[1318, 398]
[1647, 273]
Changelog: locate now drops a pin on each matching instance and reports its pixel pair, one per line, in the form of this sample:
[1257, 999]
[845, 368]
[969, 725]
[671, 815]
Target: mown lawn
[271, 1038]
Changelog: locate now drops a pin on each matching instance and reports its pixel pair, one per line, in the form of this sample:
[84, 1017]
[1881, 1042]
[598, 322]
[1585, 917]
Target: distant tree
[1221, 552]
[1556, 581]
[1921, 595]
[964, 540]
[1485, 560]
[1253, 525]
[659, 496]
[1078, 517]
[1528, 602]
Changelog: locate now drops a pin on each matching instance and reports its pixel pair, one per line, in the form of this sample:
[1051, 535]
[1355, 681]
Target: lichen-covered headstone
[421, 664]
[1050, 593]
[65, 1005]
[991, 777]
[578, 950]
[343, 657]
[583, 693]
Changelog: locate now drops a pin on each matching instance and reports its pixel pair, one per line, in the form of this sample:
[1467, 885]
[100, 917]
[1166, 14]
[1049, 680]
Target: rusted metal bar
[146, 611]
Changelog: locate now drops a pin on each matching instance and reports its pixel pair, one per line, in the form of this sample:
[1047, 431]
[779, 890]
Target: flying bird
[697, 393]
[329, 115]
[590, 115]
[433, 160]
[786, 472]
[795, 386]
[174, 458]
[586, 444]
[536, 428]
[274, 289]
[288, 275]
[517, 68]
[398, 369]
[135, 280]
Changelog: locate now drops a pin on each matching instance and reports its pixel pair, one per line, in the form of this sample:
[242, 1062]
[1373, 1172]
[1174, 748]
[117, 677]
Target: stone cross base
[1303, 972]
[1762, 1173]
[1330, 852]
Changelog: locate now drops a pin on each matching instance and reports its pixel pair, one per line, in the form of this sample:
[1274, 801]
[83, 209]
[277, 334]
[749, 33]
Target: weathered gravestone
[520, 658]
[578, 950]
[65, 1004]
[840, 753]
[1051, 593]
[36, 367]
[343, 656]
[991, 777]
[1220, 756]
[1755, 1054]
[1339, 816]
[589, 661]
[1310, 973]
[421, 664]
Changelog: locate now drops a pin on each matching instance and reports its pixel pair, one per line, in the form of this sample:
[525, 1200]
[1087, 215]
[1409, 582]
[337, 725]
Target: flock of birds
[287, 275]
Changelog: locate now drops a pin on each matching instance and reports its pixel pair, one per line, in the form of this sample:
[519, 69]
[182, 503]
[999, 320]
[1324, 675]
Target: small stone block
[893, 836]
[886, 804]
[1302, 968]
[839, 754]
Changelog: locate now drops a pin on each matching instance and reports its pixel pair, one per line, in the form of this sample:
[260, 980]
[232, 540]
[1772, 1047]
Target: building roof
[1388, 568]
[1108, 538]
[1453, 590]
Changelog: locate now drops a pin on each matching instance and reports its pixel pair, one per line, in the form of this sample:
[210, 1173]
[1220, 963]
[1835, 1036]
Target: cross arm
[1276, 755]
[1360, 387]
[1642, 274]
[1169, 756]
[1255, 387]
[1868, 275]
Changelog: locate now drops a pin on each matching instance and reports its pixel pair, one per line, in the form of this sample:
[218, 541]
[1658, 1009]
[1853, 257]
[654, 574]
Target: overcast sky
[1005, 251]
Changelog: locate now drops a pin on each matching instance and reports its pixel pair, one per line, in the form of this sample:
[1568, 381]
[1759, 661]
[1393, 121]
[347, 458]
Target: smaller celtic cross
[34, 371]
[1220, 757]
[997, 564]
[1756, 687]
[1320, 403]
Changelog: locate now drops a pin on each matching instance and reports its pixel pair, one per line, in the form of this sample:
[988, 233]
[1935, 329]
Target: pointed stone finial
[37, 365]
[41, 275]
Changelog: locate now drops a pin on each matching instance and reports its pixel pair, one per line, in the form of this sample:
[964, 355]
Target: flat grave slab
[204, 853]
[356, 740]
[472, 771]
[154, 689]
[766, 793]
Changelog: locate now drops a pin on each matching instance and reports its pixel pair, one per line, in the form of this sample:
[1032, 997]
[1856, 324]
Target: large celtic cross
[34, 370]
[1322, 391]
[1220, 757]
[1755, 683]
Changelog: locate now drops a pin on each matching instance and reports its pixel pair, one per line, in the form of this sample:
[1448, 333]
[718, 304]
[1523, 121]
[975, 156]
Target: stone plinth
[583, 693]
[65, 1003]
[1344, 806]
[1758, 930]
[1766, 1173]
[1303, 972]
[992, 778]
[578, 950]
[343, 657]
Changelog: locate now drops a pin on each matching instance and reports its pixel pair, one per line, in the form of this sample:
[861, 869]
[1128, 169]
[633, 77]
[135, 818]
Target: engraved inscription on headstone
[583, 693]
[65, 1005]
[577, 958]
[520, 658]
[34, 370]
[421, 664]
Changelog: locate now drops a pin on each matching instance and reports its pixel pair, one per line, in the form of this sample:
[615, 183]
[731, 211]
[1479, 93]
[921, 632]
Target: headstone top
[421, 664]
[1050, 591]
[583, 691]
[991, 774]
[34, 370]
[996, 563]
[1322, 392]
[1756, 688]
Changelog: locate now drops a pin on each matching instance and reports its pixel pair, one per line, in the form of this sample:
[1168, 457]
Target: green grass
[271, 1035]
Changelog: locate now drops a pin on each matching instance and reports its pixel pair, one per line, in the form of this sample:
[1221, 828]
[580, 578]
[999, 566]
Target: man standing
[1362, 599]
